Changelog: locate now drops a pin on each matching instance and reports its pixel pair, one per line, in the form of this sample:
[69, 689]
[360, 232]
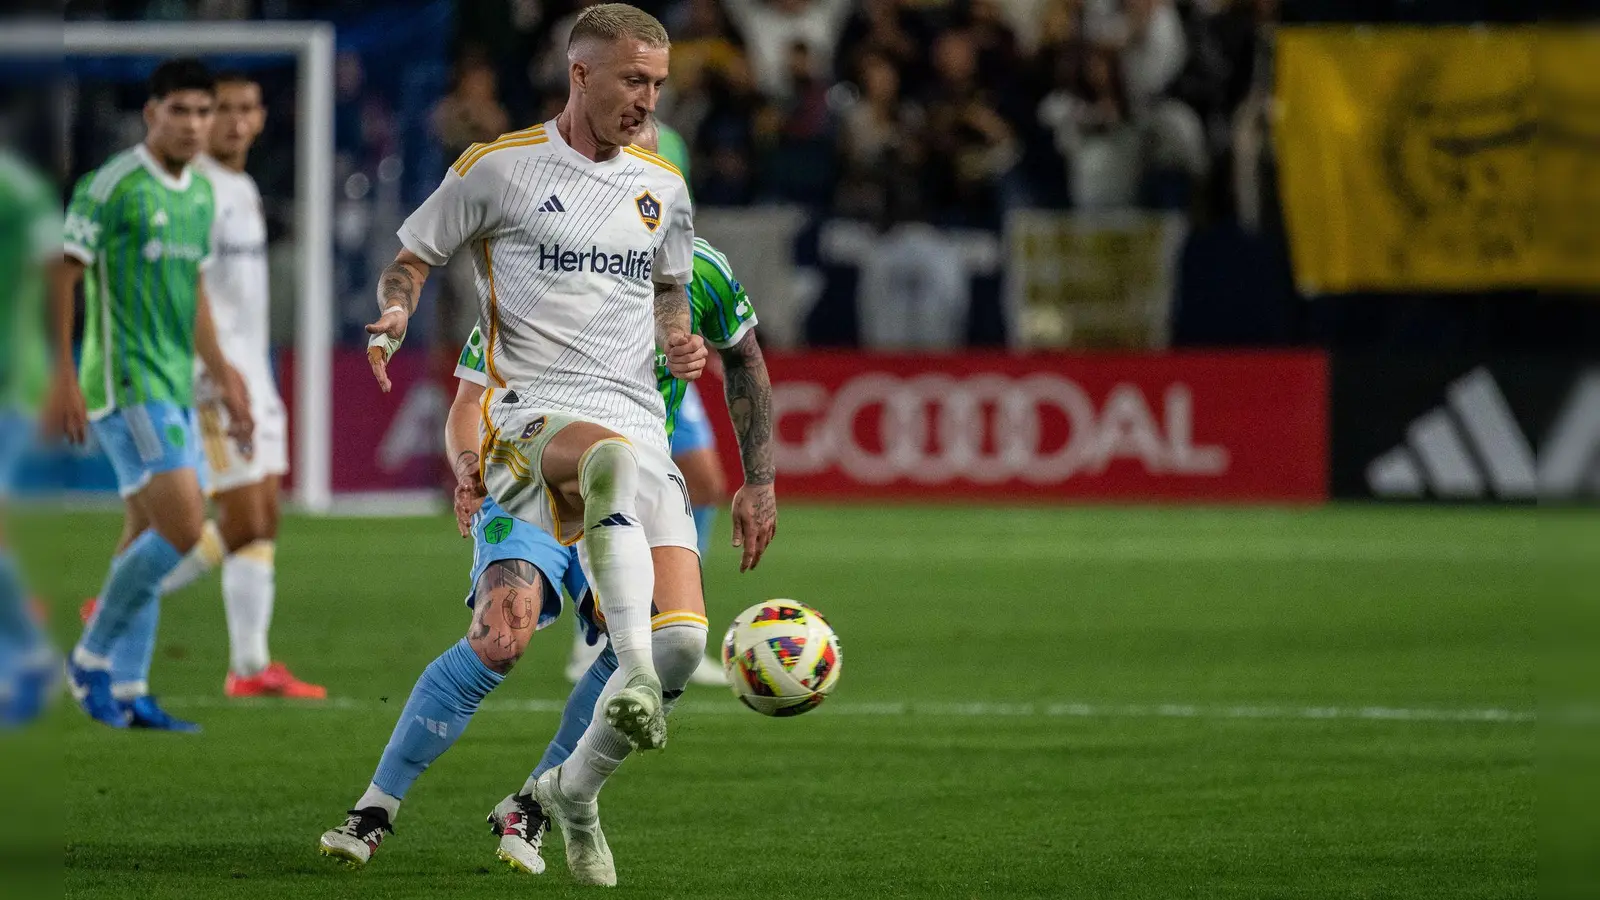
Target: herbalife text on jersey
[635, 265]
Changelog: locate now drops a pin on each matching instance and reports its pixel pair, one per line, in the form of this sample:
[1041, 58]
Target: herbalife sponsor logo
[1471, 447]
[155, 249]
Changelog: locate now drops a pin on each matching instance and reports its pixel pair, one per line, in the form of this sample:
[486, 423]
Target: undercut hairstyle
[236, 76]
[607, 22]
[184, 74]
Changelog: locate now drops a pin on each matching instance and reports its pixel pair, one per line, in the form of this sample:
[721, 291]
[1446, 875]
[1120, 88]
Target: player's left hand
[686, 356]
[241, 422]
[755, 522]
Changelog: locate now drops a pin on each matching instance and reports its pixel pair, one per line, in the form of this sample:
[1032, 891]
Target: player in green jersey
[137, 233]
[30, 244]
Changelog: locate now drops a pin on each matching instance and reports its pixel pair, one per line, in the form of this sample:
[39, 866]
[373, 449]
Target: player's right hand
[387, 333]
[468, 500]
[686, 356]
[64, 411]
[755, 522]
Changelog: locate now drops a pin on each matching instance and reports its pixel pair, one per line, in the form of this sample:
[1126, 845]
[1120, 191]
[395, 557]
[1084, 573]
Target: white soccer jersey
[236, 277]
[565, 251]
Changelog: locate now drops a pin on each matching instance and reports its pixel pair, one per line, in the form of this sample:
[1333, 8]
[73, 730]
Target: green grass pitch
[1088, 703]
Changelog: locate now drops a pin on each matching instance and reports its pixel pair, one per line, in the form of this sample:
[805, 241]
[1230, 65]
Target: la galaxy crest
[649, 210]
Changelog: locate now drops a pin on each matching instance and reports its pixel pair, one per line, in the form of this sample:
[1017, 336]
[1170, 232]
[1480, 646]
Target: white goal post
[311, 44]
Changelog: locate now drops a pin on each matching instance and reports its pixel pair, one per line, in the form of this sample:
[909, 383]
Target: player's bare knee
[506, 603]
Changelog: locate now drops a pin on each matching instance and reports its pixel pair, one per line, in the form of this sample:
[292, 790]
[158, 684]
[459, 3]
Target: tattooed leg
[505, 612]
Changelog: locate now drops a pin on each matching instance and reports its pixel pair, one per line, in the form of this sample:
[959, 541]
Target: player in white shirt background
[244, 487]
[582, 246]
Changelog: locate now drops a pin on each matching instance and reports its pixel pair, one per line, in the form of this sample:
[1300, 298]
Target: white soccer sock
[376, 797]
[679, 641]
[201, 558]
[248, 588]
[615, 552]
[599, 752]
[678, 645]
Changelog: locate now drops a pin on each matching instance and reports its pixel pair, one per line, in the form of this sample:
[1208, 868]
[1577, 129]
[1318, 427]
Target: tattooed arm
[749, 393]
[686, 351]
[399, 289]
[462, 446]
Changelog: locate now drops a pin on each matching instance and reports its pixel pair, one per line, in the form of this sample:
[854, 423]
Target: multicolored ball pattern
[782, 658]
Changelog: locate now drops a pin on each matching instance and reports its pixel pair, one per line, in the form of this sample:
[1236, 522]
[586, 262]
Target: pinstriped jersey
[565, 252]
[143, 235]
[719, 311]
[30, 235]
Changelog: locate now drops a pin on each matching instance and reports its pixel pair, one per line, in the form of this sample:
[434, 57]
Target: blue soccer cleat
[92, 689]
[144, 712]
[31, 689]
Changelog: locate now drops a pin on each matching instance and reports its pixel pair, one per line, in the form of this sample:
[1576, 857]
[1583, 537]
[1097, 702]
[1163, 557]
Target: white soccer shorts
[512, 474]
[226, 468]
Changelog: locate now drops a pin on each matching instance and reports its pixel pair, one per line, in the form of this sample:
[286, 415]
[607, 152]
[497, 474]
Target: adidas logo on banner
[1472, 448]
[552, 205]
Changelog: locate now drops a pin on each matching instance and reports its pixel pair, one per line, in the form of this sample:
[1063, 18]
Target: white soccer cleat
[588, 854]
[521, 824]
[636, 711]
[358, 838]
[709, 673]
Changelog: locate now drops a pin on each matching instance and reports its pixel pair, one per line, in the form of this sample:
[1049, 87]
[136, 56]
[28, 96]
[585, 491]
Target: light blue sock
[705, 519]
[440, 706]
[133, 584]
[579, 710]
[19, 633]
[130, 658]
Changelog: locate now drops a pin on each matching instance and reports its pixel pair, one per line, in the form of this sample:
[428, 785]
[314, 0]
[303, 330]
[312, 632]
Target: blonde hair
[607, 22]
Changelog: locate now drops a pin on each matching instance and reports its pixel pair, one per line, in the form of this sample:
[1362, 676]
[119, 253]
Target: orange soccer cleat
[86, 611]
[274, 681]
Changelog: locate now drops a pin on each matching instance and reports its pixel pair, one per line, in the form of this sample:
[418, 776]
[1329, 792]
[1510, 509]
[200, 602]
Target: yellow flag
[1424, 158]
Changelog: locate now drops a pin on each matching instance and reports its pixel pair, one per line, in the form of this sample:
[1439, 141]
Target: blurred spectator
[884, 28]
[914, 291]
[772, 27]
[999, 60]
[796, 133]
[703, 48]
[1089, 114]
[971, 147]
[471, 113]
[878, 142]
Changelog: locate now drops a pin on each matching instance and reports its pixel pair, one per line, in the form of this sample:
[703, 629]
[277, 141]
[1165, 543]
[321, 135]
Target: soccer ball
[782, 658]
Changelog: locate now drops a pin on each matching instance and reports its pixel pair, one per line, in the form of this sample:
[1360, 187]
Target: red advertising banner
[383, 442]
[1181, 426]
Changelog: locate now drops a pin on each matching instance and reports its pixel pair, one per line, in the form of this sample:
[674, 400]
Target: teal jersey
[143, 236]
[30, 237]
[719, 311]
[671, 146]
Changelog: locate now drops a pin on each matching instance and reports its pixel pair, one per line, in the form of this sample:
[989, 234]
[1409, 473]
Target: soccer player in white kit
[582, 246]
[244, 486]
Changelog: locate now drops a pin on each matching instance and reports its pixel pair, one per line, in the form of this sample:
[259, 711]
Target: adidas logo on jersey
[617, 520]
[1471, 447]
[635, 265]
[552, 205]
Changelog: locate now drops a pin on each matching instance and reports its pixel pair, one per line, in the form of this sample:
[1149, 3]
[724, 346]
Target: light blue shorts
[16, 437]
[145, 440]
[498, 535]
[693, 431]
